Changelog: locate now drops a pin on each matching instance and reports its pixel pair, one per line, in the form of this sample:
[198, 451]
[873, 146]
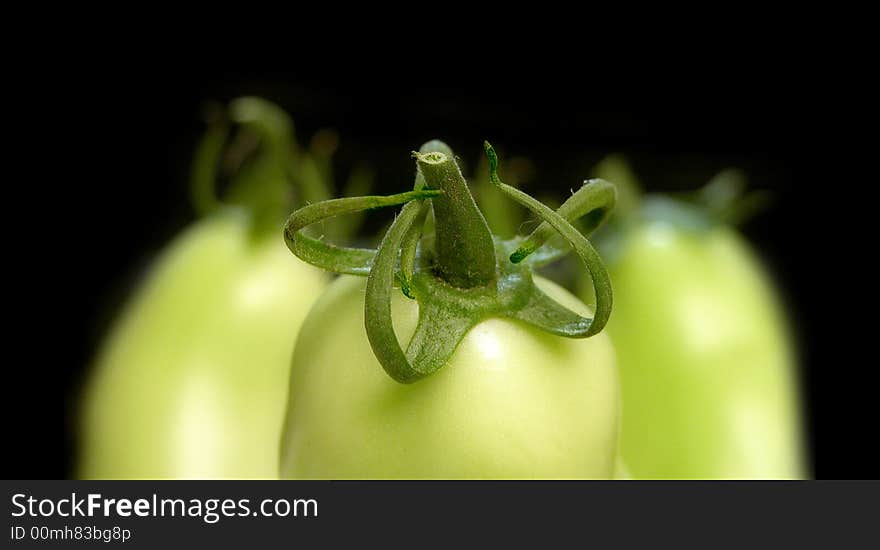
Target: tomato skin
[707, 369]
[191, 382]
[513, 402]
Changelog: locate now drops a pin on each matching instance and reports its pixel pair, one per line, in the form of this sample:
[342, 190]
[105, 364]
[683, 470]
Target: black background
[104, 168]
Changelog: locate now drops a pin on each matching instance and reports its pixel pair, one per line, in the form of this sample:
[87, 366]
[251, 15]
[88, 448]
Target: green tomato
[192, 380]
[707, 371]
[512, 402]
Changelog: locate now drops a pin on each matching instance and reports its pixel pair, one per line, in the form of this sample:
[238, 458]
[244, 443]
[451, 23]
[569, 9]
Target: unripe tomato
[707, 369]
[512, 402]
[192, 380]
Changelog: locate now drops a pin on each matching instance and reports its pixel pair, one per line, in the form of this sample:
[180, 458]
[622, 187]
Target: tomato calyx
[459, 273]
[725, 199]
[251, 151]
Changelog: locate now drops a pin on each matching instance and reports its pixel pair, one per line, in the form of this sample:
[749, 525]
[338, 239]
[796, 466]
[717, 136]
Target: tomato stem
[465, 253]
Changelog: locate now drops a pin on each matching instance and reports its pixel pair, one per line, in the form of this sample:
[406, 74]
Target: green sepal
[455, 295]
[338, 259]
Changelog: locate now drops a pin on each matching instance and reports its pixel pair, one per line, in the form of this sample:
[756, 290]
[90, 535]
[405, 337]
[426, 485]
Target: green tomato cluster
[693, 378]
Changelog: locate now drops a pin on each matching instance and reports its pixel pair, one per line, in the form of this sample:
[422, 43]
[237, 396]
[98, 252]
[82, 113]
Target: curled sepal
[377, 308]
[549, 315]
[594, 199]
[269, 119]
[204, 168]
[409, 249]
[580, 244]
[727, 200]
[351, 261]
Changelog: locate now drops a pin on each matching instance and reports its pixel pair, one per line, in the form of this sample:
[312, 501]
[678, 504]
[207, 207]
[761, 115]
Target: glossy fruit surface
[706, 363]
[513, 401]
